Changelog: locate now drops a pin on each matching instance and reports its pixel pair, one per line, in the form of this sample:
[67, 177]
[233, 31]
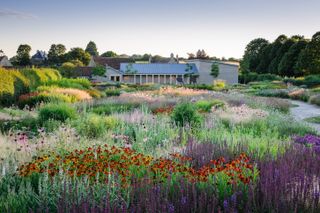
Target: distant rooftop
[231, 63]
[158, 69]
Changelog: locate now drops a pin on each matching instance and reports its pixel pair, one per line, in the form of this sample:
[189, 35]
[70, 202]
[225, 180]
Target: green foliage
[99, 70]
[206, 105]
[252, 76]
[109, 54]
[279, 93]
[23, 55]
[45, 98]
[78, 83]
[59, 112]
[94, 126]
[186, 114]
[309, 61]
[112, 92]
[92, 49]
[109, 108]
[56, 54]
[313, 120]
[250, 59]
[78, 54]
[214, 70]
[14, 83]
[315, 99]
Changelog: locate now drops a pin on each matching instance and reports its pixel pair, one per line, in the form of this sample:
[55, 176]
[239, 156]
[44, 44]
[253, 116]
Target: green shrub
[112, 92]
[186, 114]
[26, 124]
[312, 80]
[6, 88]
[59, 112]
[279, 93]
[32, 101]
[309, 81]
[95, 93]
[199, 86]
[206, 105]
[94, 126]
[40, 76]
[109, 108]
[79, 83]
[315, 99]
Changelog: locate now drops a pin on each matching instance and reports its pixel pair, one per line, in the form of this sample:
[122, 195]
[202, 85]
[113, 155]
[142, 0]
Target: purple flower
[183, 200]
[225, 204]
[171, 208]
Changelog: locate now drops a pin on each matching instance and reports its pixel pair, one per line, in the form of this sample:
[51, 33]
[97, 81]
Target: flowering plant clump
[309, 140]
[125, 163]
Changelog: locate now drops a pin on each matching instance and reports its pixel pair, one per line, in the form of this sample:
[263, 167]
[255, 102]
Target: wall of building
[5, 62]
[229, 73]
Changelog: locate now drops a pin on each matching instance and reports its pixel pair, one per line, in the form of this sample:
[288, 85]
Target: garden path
[304, 110]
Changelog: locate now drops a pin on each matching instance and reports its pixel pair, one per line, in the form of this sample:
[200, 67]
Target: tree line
[58, 54]
[293, 56]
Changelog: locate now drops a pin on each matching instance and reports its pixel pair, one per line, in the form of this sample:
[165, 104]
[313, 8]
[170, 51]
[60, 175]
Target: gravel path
[304, 110]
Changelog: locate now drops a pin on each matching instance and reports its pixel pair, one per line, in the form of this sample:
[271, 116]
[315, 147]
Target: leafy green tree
[250, 60]
[67, 69]
[280, 53]
[287, 65]
[56, 54]
[264, 60]
[23, 55]
[309, 58]
[276, 45]
[99, 70]
[78, 54]
[214, 70]
[109, 54]
[92, 49]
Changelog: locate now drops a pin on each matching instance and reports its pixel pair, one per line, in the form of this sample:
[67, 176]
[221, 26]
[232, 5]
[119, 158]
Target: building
[39, 58]
[157, 73]
[4, 61]
[228, 71]
[172, 71]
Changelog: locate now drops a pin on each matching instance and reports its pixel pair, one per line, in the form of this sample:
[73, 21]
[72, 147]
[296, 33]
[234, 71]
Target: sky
[221, 27]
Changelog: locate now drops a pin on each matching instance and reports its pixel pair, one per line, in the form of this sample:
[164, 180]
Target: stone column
[134, 79]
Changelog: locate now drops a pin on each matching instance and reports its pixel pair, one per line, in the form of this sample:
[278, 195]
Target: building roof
[231, 63]
[2, 57]
[162, 69]
[111, 62]
[40, 55]
[84, 71]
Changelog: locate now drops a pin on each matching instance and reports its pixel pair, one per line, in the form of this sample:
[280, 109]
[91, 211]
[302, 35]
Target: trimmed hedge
[14, 83]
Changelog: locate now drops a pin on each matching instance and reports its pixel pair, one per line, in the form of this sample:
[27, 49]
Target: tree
[1, 53]
[99, 70]
[92, 49]
[250, 60]
[201, 54]
[78, 54]
[276, 45]
[23, 55]
[215, 70]
[280, 53]
[67, 69]
[191, 56]
[109, 54]
[56, 54]
[309, 58]
[287, 65]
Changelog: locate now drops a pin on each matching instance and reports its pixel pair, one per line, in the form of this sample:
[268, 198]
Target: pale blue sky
[221, 27]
